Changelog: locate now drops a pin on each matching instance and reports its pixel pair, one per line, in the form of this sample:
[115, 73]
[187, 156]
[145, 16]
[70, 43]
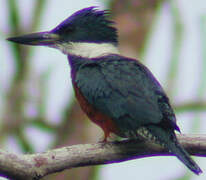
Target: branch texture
[36, 166]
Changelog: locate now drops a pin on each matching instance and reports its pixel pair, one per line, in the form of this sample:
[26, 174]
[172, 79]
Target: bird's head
[88, 32]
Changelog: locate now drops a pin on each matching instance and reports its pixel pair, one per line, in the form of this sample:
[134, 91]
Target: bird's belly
[102, 120]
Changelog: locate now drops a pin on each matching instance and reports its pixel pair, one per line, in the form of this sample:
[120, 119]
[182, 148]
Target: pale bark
[35, 166]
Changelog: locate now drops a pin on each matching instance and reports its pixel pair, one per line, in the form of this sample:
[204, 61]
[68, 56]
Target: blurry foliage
[134, 20]
[14, 119]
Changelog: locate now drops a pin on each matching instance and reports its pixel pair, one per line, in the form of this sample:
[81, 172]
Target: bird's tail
[183, 156]
[169, 140]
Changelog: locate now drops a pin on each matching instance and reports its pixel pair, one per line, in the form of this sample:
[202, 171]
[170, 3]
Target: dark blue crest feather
[88, 24]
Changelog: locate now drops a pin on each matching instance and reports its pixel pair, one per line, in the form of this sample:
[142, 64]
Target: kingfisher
[116, 92]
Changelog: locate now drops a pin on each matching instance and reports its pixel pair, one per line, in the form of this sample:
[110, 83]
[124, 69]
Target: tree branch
[36, 166]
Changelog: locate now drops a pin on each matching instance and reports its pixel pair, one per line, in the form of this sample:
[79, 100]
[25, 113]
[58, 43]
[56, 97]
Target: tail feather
[168, 139]
[184, 157]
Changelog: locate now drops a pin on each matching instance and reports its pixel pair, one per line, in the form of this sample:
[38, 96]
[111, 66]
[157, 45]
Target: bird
[117, 93]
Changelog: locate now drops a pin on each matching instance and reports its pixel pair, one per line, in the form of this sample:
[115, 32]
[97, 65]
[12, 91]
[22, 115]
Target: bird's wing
[124, 90]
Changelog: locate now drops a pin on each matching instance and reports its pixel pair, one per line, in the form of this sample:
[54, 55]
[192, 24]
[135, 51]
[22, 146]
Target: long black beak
[36, 39]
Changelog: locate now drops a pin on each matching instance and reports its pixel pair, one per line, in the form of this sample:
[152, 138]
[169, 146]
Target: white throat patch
[88, 50]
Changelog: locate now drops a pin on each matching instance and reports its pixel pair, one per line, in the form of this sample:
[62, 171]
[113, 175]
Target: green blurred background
[37, 108]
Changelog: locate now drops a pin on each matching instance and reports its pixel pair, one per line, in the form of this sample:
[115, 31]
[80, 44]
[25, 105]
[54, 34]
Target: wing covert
[123, 90]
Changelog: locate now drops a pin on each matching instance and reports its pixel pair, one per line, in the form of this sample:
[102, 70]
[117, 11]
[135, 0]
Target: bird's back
[125, 90]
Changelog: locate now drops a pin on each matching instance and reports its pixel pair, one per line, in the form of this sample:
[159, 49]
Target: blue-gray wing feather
[126, 91]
